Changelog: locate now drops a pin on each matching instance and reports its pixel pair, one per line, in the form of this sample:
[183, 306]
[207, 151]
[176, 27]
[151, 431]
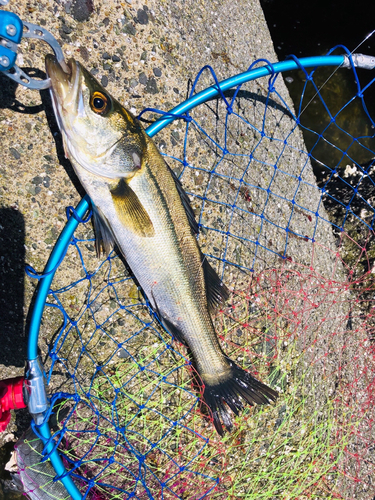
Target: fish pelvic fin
[104, 240]
[240, 387]
[130, 210]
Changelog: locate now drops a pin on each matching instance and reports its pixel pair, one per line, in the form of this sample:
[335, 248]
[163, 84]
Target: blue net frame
[245, 202]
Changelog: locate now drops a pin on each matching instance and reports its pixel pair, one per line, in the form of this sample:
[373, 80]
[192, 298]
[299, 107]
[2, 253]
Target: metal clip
[12, 29]
[359, 61]
[34, 390]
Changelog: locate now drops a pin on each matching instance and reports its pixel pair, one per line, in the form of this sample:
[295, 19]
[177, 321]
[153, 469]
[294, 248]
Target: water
[310, 29]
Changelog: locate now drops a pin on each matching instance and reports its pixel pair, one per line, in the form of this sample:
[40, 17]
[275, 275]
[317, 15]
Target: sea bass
[140, 205]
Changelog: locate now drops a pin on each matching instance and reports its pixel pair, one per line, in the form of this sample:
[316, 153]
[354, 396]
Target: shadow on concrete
[12, 272]
[8, 93]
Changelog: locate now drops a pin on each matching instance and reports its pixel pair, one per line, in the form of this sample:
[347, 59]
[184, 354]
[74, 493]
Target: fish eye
[99, 103]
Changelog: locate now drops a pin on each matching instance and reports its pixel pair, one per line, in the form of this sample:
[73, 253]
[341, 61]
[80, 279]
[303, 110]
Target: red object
[10, 399]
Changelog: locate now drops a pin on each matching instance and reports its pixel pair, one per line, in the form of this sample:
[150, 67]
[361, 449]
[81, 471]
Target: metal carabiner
[12, 29]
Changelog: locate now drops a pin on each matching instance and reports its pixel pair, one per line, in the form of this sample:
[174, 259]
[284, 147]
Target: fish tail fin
[239, 387]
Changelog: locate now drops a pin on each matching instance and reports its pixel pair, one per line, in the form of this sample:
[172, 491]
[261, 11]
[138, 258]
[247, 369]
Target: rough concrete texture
[145, 53]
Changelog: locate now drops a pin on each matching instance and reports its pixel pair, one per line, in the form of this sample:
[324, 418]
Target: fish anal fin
[104, 240]
[217, 293]
[173, 330]
[130, 210]
[238, 388]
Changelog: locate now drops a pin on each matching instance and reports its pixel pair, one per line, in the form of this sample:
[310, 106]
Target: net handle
[63, 241]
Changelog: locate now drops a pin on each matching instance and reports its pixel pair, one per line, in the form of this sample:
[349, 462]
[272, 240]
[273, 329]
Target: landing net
[298, 258]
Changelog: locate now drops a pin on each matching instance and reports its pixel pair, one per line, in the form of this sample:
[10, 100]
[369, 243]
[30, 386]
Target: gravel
[15, 153]
[142, 16]
[143, 78]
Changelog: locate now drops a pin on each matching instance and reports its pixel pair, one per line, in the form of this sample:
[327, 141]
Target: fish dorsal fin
[217, 293]
[130, 210]
[185, 202]
[104, 240]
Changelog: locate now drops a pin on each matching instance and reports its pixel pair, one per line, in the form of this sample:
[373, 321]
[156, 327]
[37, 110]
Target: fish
[140, 206]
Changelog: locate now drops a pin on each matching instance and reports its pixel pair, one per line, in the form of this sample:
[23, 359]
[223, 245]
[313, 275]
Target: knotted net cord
[298, 260]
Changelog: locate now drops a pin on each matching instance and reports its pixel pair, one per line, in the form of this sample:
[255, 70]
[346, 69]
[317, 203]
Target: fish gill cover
[298, 260]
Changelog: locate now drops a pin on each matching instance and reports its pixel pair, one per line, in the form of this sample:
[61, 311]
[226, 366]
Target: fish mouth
[64, 84]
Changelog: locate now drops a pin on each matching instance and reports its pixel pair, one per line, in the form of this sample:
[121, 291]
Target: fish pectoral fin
[172, 329]
[239, 387]
[217, 293]
[130, 210]
[104, 240]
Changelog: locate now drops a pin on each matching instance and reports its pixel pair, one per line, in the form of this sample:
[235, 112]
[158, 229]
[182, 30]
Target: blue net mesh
[296, 255]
